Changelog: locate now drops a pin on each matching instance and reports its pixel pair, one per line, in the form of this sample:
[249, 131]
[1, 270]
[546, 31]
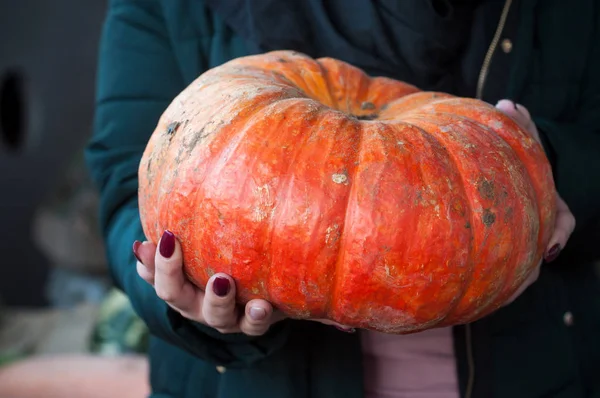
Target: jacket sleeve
[137, 79]
[573, 148]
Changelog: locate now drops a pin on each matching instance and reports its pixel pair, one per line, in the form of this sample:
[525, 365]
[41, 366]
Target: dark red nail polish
[350, 330]
[167, 244]
[552, 253]
[136, 246]
[221, 286]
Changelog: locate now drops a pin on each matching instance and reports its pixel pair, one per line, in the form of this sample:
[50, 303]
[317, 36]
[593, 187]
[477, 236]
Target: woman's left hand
[565, 221]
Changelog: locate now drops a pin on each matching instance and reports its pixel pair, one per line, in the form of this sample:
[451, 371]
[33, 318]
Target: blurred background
[56, 302]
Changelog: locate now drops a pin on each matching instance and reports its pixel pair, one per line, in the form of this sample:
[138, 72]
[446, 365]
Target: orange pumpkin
[335, 195]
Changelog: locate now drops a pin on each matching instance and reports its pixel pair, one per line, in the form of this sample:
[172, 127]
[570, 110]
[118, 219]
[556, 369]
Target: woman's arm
[137, 79]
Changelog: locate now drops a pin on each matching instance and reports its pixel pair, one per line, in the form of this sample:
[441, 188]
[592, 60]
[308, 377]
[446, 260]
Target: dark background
[48, 52]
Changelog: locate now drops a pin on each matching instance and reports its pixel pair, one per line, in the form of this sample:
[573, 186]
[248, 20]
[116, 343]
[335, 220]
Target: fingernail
[347, 330]
[136, 246]
[257, 313]
[221, 286]
[552, 253]
[167, 244]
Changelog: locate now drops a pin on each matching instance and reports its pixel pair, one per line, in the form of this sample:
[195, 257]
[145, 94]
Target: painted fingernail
[136, 246]
[167, 244]
[221, 286]
[347, 330]
[552, 253]
[257, 313]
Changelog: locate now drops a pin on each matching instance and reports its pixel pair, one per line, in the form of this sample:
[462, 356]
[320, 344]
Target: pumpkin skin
[335, 195]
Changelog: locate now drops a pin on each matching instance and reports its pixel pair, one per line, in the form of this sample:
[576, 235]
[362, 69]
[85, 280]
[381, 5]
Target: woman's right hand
[162, 267]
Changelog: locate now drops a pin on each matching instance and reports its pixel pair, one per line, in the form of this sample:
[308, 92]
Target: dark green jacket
[151, 49]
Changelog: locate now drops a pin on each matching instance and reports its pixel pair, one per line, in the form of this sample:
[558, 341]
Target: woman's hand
[565, 221]
[216, 306]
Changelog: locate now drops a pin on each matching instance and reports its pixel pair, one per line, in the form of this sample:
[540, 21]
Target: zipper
[483, 73]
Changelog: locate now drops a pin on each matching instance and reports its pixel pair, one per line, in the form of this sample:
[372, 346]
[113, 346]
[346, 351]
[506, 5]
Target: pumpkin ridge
[522, 155]
[431, 138]
[505, 293]
[337, 280]
[483, 252]
[279, 106]
[241, 137]
[350, 90]
[243, 118]
[529, 152]
[325, 74]
[283, 190]
[450, 317]
[412, 103]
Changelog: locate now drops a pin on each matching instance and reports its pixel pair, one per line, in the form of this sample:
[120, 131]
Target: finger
[563, 228]
[144, 273]
[219, 309]
[144, 253]
[258, 317]
[170, 283]
[520, 114]
[514, 110]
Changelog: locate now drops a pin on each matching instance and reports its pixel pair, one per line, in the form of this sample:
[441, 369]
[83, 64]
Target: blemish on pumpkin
[265, 203]
[367, 105]
[340, 178]
[332, 234]
[282, 60]
[486, 189]
[172, 127]
[458, 207]
[468, 225]
[384, 107]
[488, 217]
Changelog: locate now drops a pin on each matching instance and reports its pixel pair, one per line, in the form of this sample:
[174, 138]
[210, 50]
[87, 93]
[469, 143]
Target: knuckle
[220, 319]
[166, 294]
[221, 305]
[220, 323]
